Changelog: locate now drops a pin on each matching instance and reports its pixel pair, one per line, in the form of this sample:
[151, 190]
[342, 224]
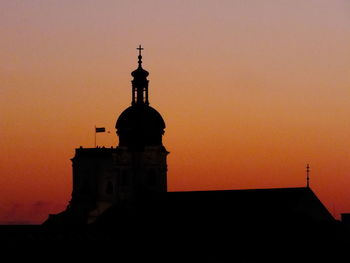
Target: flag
[100, 129]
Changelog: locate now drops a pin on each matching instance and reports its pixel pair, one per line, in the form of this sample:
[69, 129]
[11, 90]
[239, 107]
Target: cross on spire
[140, 57]
[140, 49]
[307, 175]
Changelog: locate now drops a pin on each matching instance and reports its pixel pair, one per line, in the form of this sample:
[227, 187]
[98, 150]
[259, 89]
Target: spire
[307, 175]
[140, 56]
[140, 83]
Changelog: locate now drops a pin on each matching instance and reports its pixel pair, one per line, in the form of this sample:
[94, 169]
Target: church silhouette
[120, 194]
[136, 170]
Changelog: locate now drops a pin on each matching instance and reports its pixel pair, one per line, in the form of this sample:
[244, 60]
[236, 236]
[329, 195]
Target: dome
[140, 73]
[140, 125]
[140, 117]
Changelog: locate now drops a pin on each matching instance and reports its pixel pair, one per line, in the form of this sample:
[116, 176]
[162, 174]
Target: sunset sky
[251, 91]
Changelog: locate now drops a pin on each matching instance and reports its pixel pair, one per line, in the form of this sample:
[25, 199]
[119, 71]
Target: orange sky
[250, 91]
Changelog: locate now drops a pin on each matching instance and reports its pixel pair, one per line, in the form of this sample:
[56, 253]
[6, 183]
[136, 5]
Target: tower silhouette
[103, 177]
[140, 155]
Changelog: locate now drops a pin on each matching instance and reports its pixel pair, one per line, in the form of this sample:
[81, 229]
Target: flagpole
[95, 136]
[100, 129]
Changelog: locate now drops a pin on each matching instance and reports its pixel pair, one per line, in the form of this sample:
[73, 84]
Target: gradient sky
[251, 91]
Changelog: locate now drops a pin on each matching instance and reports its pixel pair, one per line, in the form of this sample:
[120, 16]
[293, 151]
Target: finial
[139, 49]
[140, 56]
[307, 175]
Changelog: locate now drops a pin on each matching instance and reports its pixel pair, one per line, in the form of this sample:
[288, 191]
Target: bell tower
[140, 157]
[140, 83]
[136, 168]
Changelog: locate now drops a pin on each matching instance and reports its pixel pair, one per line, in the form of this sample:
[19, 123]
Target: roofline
[230, 190]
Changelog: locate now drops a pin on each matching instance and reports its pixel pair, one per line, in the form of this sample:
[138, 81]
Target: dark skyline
[120, 195]
[253, 89]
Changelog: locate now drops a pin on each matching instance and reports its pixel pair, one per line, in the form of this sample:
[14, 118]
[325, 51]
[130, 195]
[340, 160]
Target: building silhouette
[120, 195]
[103, 177]
[134, 174]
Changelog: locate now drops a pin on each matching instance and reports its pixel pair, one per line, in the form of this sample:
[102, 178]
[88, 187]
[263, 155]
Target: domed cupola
[140, 125]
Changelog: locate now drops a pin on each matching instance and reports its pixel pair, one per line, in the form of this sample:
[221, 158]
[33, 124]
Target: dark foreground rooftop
[262, 225]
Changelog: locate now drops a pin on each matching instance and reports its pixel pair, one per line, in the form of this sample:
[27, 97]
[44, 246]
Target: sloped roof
[257, 203]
